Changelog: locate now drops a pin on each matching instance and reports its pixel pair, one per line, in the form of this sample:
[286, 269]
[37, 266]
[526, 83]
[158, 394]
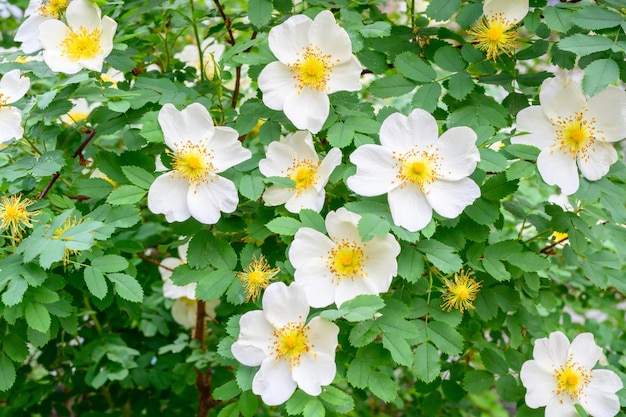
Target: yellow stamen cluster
[304, 173]
[419, 167]
[575, 135]
[193, 162]
[82, 43]
[312, 69]
[256, 277]
[290, 342]
[460, 293]
[53, 8]
[346, 260]
[571, 379]
[57, 234]
[495, 35]
[3, 100]
[14, 215]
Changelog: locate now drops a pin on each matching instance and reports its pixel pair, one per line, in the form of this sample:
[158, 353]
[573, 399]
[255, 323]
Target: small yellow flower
[460, 293]
[14, 214]
[256, 277]
[495, 36]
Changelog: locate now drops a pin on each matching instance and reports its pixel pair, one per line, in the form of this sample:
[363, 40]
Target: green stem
[196, 34]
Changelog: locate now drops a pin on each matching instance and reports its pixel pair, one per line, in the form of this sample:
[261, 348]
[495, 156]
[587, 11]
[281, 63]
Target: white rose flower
[560, 375]
[83, 43]
[573, 132]
[314, 59]
[295, 157]
[290, 352]
[418, 170]
[13, 86]
[201, 150]
[338, 267]
[38, 11]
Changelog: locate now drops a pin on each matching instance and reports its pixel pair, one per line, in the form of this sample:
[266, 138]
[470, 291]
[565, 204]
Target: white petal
[168, 195]
[609, 110]
[53, 55]
[584, 350]
[457, 147]
[184, 313]
[309, 198]
[350, 288]
[109, 26]
[307, 109]
[255, 339]
[328, 165]
[376, 171]
[558, 168]
[382, 266]
[273, 382]
[10, 124]
[209, 198]
[192, 124]
[289, 38]
[551, 352]
[277, 84]
[541, 132]
[561, 97]
[52, 33]
[449, 198]
[540, 384]
[342, 225]
[599, 402]
[275, 196]
[28, 33]
[227, 150]
[278, 159]
[513, 10]
[605, 380]
[402, 134]
[331, 38]
[302, 143]
[309, 246]
[317, 283]
[82, 13]
[284, 304]
[345, 76]
[13, 86]
[561, 407]
[323, 335]
[409, 208]
[168, 263]
[314, 371]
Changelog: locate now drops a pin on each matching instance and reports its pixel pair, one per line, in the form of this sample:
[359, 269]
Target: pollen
[495, 35]
[304, 173]
[312, 69]
[256, 277]
[571, 379]
[290, 342]
[53, 8]
[419, 167]
[461, 293]
[14, 215]
[575, 135]
[346, 260]
[193, 162]
[82, 43]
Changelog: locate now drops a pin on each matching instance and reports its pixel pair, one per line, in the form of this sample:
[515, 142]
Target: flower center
[346, 260]
[256, 277]
[291, 341]
[81, 44]
[193, 162]
[571, 379]
[575, 135]
[460, 293]
[312, 69]
[53, 8]
[304, 174]
[14, 214]
[495, 35]
[77, 116]
[419, 167]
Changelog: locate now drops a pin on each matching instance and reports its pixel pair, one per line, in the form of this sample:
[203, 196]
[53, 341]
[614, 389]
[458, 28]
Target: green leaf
[370, 226]
[442, 10]
[442, 256]
[259, 12]
[376, 30]
[362, 307]
[311, 218]
[529, 261]
[426, 365]
[585, 44]
[399, 348]
[284, 182]
[248, 404]
[37, 317]
[138, 176]
[594, 17]
[296, 403]
[477, 381]
[414, 68]
[284, 226]
[126, 287]
[600, 74]
[447, 339]
[492, 161]
[508, 389]
[15, 347]
[96, 284]
[214, 285]
[15, 291]
[251, 187]
[200, 245]
[340, 135]
[227, 391]
[231, 410]
[494, 361]
[391, 86]
[410, 264]
[110, 263]
[126, 194]
[336, 399]
[314, 408]
[460, 85]
[496, 269]
[7, 373]
[523, 151]
[483, 211]
[427, 97]
[449, 58]
[222, 255]
[382, 386]
[558, 18]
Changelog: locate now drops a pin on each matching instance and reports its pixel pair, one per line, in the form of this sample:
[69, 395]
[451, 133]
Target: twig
[233, 102]
[154, 262]
[227, 22]
[551, 245]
